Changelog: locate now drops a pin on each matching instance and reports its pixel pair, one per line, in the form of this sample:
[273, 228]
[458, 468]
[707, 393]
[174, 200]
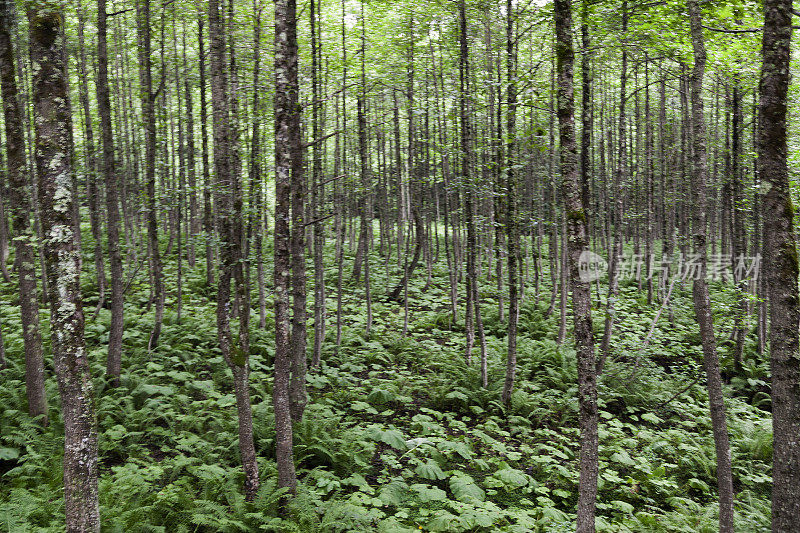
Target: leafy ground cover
[398, 434]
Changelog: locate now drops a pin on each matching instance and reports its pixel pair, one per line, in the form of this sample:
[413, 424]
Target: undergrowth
[398, 435]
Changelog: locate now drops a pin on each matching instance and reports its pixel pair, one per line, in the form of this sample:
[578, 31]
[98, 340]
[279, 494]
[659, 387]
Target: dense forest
[395, 266]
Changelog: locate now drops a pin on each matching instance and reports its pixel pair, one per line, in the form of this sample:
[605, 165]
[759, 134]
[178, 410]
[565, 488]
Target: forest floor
[398, 434]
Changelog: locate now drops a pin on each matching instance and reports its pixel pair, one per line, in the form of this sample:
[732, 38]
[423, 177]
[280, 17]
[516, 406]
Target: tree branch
[723, 30]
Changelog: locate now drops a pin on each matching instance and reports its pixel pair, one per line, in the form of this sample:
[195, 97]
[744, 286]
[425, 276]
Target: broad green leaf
[430, 470]
[427, 493]
[8, 454]
[465, 489]
[394, 438]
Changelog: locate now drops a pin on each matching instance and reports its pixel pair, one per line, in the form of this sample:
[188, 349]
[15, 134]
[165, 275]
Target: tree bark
[149, 119]
[90, 169]
[577, 244]
[229, 224]
[512, 231]
[780, 250]
[111, 178]
[287, 116]
[298, 396]
[51, 111]
[23, 234]
[618, 205]
[318, 190]
[473, 318]
[700, 294]
[208, 216]
[738, 230]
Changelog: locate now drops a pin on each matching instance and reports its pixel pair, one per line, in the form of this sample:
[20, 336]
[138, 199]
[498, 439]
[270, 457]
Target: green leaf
[465, 489]
[430, 470]
[650, 417]
[357, 480]
[443, 521]
[511, 477]
[392, 525]
[561, 493]
[394, 438]
[363, 406]
[699, 485]
[427, 493]
[457, 395]
[380, 397]
[625, 507]
[8, 454]
[394, 493]
[461, 448]
[623, 458]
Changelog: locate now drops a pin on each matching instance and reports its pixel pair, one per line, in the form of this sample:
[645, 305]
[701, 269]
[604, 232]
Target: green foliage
[399, 434]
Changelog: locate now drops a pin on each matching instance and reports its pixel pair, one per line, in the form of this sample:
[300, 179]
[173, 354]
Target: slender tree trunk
[4, 233]
[586, 109]
[92, 191]
[318, 190]
[191, 165]
[148, 115]
[298, 397]
[51, 111]
[208, 218]
[474, 321]
[512, 231]
[702, 302]
[339, 201]
[111, 178]
[738, 233]
[577, 244]
[3, 362]
[550, 199]
[229, 224]
[564, 282]
[255, 225]
[409, 268]
[365, 200]
[649, 187]
[617, 211]
[780, 250]
[181, 153]
[286, 135]
[23, 234]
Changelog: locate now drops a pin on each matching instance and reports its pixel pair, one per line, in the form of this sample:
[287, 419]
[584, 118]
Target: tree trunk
[229, 224]
[92, 191]
[780, 250]
[702, 302]
[512, 231]
[287, 119]
[191, 164]
[148, 117]
[255, 221]
[298, 397]
[318, 190]
[23, 234]
[617, 210]
[577, 244]
[365, 200]
[208, 218]
[114, 361]
[473, 319]
[51, 111]
[738, 234]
